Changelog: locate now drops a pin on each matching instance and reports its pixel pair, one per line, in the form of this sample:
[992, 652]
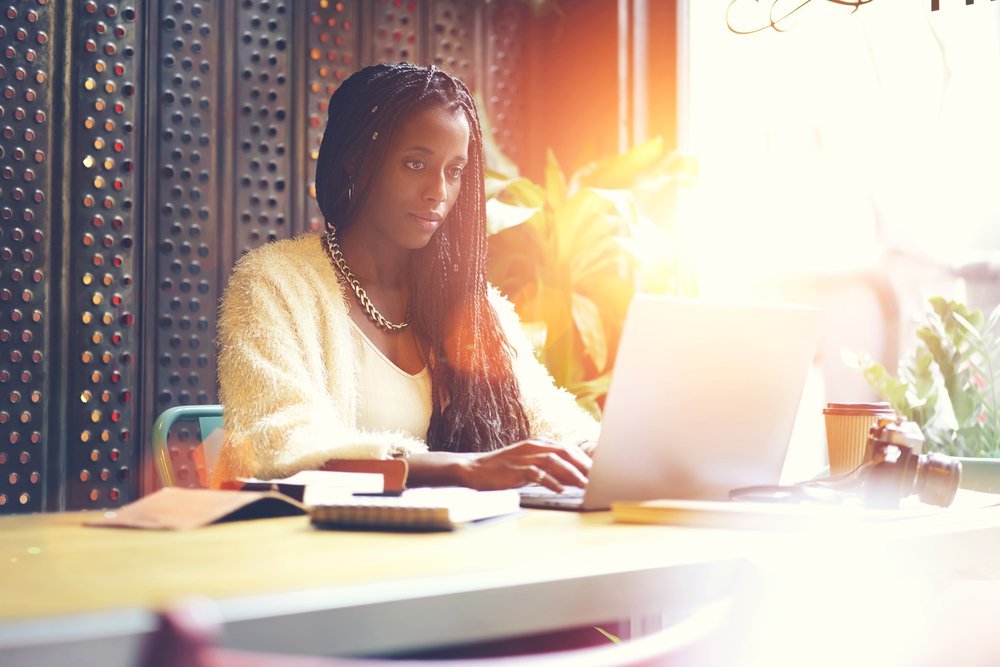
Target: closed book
[782, 516]
[729, 514]
[443, 508]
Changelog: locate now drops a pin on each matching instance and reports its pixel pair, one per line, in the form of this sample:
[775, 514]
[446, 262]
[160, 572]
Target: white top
[287, 364]
[389, 398]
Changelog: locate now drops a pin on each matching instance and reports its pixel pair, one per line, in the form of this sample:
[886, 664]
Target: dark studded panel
[395, 25]
[187, 210]
[187, 134]
[504, 55]
[103, 205]
[26, 63]
[263, 121]
[332, 56]
[452, 42]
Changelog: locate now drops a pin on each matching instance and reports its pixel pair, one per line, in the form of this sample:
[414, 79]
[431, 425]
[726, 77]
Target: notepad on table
[417, 509]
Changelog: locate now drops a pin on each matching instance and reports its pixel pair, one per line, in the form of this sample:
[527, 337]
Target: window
[844, 138]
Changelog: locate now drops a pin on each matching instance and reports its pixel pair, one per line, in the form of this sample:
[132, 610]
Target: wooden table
[279, 584]
[282, 585]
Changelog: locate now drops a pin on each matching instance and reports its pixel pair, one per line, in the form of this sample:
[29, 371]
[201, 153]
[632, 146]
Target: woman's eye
[415, 165]
[455, 172]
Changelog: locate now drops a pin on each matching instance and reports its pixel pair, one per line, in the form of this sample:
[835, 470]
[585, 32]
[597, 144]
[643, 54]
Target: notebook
[441, 508]
[702, 400]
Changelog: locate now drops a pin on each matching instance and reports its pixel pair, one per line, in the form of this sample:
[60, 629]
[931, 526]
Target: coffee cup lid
[880, 408]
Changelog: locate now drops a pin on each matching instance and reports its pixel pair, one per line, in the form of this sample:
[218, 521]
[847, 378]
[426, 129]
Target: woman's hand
[532, 461]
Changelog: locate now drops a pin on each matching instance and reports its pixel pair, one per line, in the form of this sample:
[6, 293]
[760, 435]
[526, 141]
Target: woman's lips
[428, 221]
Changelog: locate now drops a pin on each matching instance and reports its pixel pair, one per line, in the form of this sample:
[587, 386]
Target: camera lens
[937, 479]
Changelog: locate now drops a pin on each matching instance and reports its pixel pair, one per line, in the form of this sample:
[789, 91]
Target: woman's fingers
[570, 453]
[559, 468]
[536, 475]
[534, 461]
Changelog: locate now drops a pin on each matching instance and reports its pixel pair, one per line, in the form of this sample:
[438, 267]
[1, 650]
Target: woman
[382, 338]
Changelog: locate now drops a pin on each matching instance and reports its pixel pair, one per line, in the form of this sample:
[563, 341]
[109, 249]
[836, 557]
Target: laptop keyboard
[539, 496]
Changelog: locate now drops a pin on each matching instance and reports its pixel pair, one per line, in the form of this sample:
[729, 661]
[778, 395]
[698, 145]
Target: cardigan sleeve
[286, 374]
[552, 411]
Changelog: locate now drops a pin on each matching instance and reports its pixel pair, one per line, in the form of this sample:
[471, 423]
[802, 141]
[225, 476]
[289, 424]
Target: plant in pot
[950, 386]
[571, 252]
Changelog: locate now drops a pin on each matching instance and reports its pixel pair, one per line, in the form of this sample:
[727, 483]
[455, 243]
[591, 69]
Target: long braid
[476, 402]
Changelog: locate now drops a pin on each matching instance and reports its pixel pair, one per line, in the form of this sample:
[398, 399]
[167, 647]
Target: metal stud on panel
[26, 55]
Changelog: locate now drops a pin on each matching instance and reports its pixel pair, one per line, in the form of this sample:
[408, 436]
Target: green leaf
[587, 319]
[589, 392]
[968, 326]
[620, 171]
[851, 359]
[579, 221]
[501, 216]
[555, 182]
[612, 638]
[622, 202]
[520, 192]
[496, 183]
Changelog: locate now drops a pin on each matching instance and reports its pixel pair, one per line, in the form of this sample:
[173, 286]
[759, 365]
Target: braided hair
[476, 403]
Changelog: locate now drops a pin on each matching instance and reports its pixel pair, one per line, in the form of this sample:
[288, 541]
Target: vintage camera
[894, 468]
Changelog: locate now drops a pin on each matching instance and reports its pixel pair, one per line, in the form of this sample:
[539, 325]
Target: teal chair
[192, 464]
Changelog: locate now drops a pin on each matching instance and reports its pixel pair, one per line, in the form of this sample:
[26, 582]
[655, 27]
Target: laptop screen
[703, 398]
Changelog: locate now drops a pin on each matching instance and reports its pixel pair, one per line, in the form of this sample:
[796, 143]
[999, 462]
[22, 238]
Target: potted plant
[571, 252]
[950, 386]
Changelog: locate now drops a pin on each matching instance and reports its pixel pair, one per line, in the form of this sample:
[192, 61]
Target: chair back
[188, 632]
[185, 455]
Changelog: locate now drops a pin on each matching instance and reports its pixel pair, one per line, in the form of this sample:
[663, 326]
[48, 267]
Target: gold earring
[350, 191]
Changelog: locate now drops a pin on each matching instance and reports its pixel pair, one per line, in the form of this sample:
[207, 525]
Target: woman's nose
[436, 188]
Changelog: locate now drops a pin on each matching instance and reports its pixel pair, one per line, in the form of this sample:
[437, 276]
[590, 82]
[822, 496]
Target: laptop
[702, 400]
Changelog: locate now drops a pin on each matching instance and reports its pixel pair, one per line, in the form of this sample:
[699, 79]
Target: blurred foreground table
[89, 595]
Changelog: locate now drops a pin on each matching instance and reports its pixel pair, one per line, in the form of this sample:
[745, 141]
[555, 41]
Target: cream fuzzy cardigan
[287, 370]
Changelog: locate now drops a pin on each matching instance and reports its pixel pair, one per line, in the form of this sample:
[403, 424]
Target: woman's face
[420, 178]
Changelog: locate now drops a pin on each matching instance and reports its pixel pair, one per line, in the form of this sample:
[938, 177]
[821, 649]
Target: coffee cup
[847, 426]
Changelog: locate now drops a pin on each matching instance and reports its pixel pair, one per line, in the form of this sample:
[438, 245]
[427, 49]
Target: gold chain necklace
[337, 257]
